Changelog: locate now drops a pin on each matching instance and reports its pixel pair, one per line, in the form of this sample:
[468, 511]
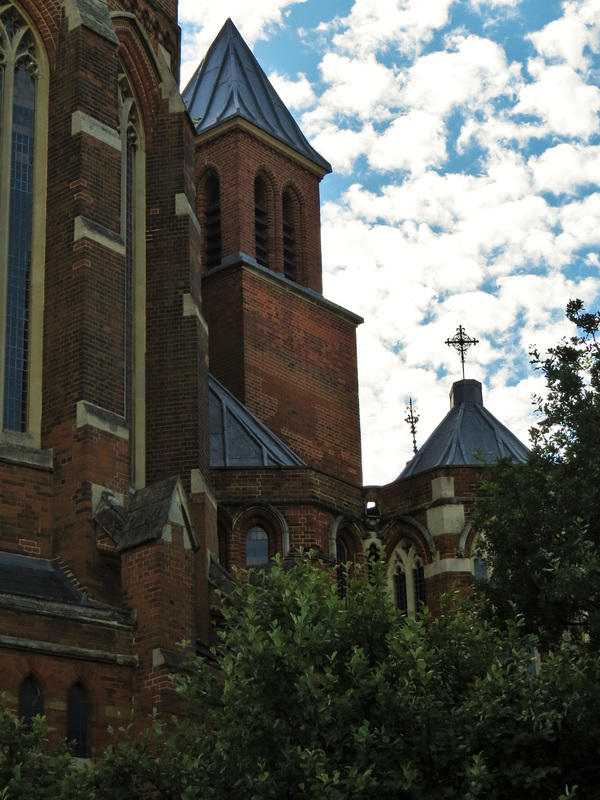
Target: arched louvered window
[23, 115]
[30, 699]
[257, 546]
[290, 268]
[78, 721]
[212, 220]
[261, 222]
[133, 233]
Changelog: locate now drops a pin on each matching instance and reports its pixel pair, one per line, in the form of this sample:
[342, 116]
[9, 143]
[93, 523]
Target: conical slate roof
[230, 83]
[468, 434]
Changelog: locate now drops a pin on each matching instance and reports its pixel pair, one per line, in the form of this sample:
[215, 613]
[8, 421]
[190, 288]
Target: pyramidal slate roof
[238, 438]
[468, 434]
[230, 83]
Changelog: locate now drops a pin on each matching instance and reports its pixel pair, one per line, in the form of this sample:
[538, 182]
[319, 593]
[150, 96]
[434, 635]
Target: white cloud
[415, 142]
[203, 19]
[572, 36]
[562, 99]
[470, 71]
[374, 25]
[295, 94]
[566, 168]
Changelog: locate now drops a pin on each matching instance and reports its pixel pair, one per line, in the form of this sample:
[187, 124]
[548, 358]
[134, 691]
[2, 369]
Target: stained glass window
[18, 73]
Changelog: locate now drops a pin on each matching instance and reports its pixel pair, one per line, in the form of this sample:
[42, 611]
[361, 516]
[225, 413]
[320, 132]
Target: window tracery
[407, 578]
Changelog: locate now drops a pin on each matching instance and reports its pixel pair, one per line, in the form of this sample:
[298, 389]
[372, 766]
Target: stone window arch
[23, 156]
[258, 535]
[78, 720]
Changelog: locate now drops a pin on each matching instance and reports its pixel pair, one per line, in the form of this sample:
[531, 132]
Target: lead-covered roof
[230, 83]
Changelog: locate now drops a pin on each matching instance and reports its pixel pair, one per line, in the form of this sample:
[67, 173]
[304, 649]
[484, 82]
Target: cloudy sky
[465, 141]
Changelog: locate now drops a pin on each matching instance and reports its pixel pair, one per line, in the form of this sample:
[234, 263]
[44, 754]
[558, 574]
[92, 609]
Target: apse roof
[238, 438]
[468, 434]
[230, 83]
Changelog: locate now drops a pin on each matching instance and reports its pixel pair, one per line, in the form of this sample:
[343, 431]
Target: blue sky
[465, 141]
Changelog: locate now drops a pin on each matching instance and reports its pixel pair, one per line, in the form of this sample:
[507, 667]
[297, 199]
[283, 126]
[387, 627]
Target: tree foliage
[321, 697]
[542, 521]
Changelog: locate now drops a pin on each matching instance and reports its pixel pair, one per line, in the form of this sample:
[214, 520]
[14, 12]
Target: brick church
[177, 396]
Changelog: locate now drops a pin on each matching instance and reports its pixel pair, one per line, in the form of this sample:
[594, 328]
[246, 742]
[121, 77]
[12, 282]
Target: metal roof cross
[461, 341]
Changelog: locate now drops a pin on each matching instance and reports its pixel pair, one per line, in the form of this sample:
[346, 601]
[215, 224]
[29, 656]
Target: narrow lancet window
[133, 234]
[212, 221]
[257, 546]
[18, 77]
[400, 595]
[78, 721]
[30, 700]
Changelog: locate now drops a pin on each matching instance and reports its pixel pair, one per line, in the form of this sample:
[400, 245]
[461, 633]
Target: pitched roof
[238, 438]
[37, 577]
[230, 83]
[468, 434]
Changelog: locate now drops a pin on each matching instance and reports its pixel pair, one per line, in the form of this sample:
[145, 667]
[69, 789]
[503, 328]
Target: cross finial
[461, 341]
[411, 418]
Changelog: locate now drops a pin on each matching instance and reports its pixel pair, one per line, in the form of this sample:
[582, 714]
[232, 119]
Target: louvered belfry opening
[212, 221]
[261, 222]
[289, 238]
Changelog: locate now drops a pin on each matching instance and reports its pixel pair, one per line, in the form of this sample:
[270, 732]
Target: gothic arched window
[133, 234]
[407, 578]
[23, 113]
[30, 699]
[78, 720]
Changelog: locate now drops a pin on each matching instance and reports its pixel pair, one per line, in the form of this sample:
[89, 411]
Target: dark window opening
[223, 551]
[341, 556]
[289, 238]
[419, 587]
[400, 590]
[212, 221]
[30, 700]
[78, 721]
[261, 223]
